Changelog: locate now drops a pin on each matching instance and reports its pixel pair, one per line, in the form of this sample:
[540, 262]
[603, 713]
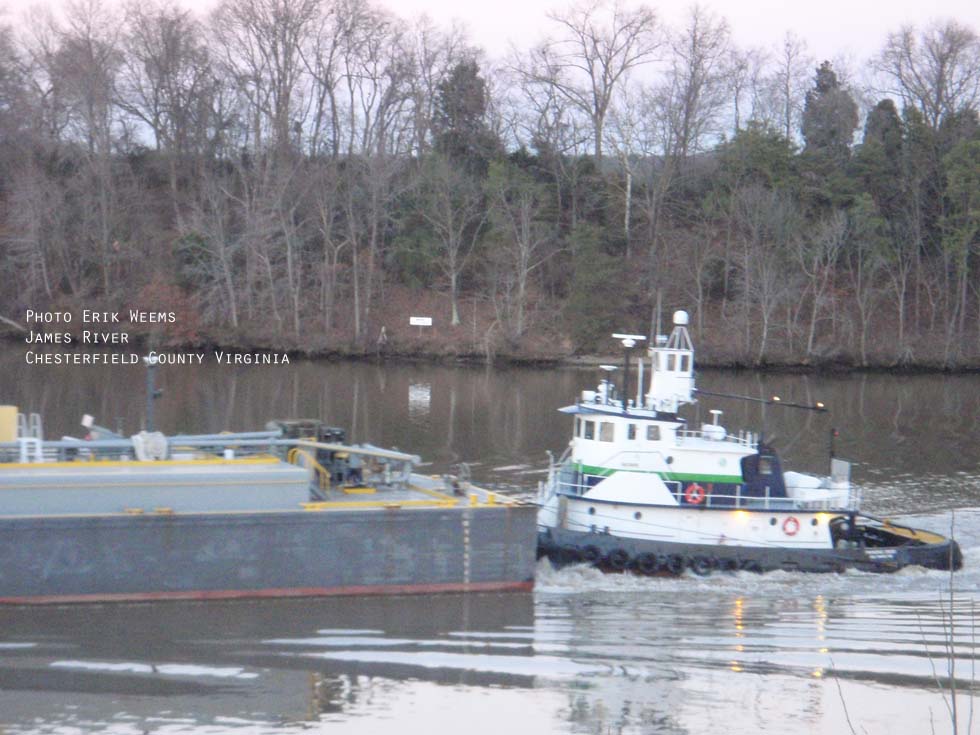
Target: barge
[290, 511]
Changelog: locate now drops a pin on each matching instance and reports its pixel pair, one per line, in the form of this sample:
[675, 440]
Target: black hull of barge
[391, 550]
[617, 554]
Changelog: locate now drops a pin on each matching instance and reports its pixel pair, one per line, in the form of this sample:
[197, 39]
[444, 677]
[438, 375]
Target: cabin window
[589, 430]
[653, 433]
[631, 431]
[578, 426]
[671, 362]
[606, 431]
[685, 363]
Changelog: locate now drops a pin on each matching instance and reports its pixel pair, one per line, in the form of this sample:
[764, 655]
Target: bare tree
[261, 44]
[695, 251]
[864, 262]
[787, 84]
[546, 121]
[746, 75]
[518, 207]
[74, 64]
[432, 53]
[699, 80]
[167, 84]
[328, 202]
[211, 251]
[936, 71]
[766, 224]
[817, 254]
[321, 55]
[680, 115]
[625, 129]
[452, 204]
[599, 43]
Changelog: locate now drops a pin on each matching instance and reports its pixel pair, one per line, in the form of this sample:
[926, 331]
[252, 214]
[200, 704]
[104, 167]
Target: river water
[586, 652]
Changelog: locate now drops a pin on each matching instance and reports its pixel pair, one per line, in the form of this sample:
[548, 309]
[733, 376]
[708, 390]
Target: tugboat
[638, 489]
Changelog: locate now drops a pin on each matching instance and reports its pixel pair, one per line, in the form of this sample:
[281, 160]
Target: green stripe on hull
[676, 476]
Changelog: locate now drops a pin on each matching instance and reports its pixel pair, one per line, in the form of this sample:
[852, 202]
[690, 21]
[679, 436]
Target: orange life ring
[694, 494]
[791, 526]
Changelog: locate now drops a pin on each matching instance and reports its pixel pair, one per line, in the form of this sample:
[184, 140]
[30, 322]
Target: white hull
[711, 526]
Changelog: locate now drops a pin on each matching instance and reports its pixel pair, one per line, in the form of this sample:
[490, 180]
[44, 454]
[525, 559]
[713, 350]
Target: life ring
[791, 526]
[694, 494]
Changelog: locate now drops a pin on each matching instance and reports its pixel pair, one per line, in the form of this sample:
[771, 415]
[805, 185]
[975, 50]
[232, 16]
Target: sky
[854, 29]
[833, 29]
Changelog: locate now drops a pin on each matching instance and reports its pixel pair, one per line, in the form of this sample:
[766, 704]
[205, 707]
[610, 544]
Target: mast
[629, 342]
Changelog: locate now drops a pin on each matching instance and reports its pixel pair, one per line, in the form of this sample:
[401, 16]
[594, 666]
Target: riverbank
[463, 353]
[478, 339]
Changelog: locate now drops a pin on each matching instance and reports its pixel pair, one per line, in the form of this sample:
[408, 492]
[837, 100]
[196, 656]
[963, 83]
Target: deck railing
[565, 483]
[743, 438]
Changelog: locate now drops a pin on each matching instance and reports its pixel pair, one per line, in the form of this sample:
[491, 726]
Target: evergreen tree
[597, 295]
[758, 155]
[460, 124]
[878, 162]
[830, 117]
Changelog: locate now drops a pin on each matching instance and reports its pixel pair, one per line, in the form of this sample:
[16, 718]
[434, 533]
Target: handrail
[351, 449]
[721, 500]
[212, 441]
[321, 472]
[743, 439]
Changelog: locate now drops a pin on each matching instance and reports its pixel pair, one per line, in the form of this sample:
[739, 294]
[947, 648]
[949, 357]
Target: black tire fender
[591, 554]
[618, 559]
[701, 566]
[647, 563]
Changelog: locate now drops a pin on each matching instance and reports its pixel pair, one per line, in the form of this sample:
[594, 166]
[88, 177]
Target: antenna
[773, 401]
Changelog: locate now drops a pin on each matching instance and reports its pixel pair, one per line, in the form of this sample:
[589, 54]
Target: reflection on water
[913, 439]
[587, 653]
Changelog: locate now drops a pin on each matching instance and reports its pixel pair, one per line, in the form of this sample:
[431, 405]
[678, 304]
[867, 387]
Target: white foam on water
[488, 634]
[349, 631]
[167, 669]
[544, 666]
[582, 579]
[16, 646]
[345, 641]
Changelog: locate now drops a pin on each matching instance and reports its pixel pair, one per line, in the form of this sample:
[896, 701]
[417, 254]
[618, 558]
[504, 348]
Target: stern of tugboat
[889, 546]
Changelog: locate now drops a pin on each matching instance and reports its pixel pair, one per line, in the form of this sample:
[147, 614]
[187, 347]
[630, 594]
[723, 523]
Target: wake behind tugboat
[637, 489]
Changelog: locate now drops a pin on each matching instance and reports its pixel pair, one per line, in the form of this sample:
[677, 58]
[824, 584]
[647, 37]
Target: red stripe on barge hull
[391, 589]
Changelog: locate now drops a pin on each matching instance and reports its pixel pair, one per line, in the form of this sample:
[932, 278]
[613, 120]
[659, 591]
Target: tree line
[303, 173]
